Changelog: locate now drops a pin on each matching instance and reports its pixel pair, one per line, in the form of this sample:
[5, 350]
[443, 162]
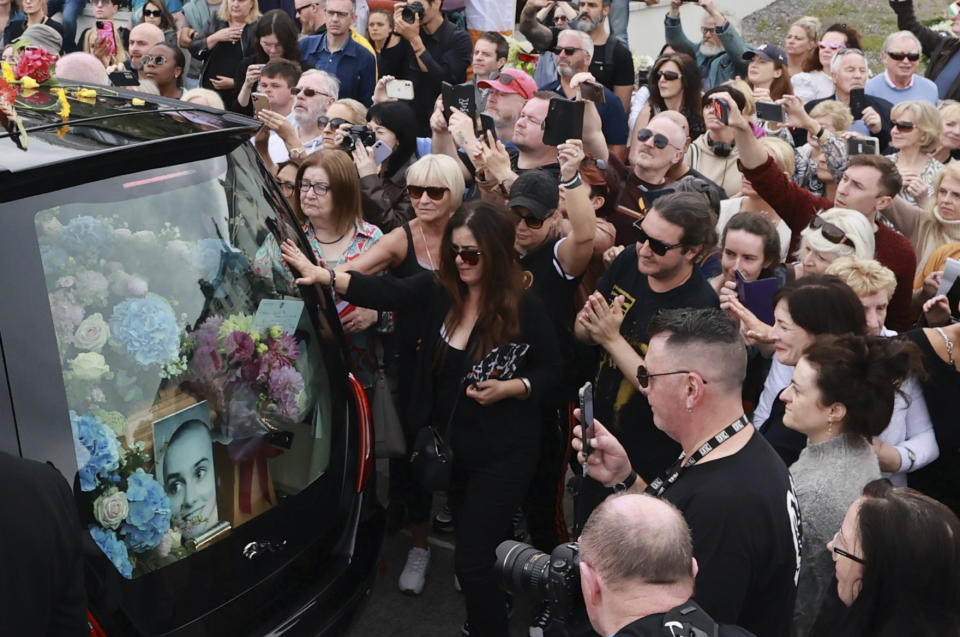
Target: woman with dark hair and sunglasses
[165, 66]
[896, 558]
[155, 12]
[477, 303]
[815, 82]
[675, 85]
[386, 201]
[276, 38]
[841, 396]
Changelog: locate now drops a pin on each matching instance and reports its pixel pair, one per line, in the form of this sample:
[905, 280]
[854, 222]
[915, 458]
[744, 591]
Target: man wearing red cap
[509, 90]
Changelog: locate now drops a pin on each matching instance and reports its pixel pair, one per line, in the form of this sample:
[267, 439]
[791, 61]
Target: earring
[830, 427]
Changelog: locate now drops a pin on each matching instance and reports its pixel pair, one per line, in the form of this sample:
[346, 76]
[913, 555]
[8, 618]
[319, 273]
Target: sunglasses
[158, 60]
[658, 247]
[508, 80]
[308, 92]
[906, 127]
[831, 232]
[668, 75]
[899, 55]
[434, 192]
[150, 13]
[334, 123]
[305, 7]
[532, 222]
[644, 378]
[569, 50]
[832, 46]
[840, 551]
[659, 140]
[470, 256]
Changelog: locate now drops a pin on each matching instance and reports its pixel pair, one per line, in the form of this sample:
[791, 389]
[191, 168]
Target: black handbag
[431, 462]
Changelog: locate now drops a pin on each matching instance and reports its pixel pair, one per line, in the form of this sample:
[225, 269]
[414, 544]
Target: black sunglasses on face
[658, 247]
[309, 92]
[158, 60]
[334, 123]
[148, 13]
[659, 140]
[668, 75]
[470, 256]
[644, 378]
[569, 50]
[831, 232]
[532, 222]
[900, 55]
[305, 7]
[434, 192]
[906, 127]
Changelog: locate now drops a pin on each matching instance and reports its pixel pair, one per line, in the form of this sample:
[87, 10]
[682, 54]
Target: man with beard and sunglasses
[300, 132]
[720, 53]
[611, 62]
[658, 272]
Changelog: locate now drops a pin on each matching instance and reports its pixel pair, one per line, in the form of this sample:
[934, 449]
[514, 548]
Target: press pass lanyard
[665, 481]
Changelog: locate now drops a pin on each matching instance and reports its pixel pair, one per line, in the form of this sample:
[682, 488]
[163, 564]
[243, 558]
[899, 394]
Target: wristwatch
[626, 484]
[297, 154]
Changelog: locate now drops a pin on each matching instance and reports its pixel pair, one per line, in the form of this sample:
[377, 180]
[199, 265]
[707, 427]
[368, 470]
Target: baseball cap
[44, 37]
[768, 52]
[536, 190]
[511, 81]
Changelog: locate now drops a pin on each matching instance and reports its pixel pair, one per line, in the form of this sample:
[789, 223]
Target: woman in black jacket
[477, 303]
[275, 38]
[223, 43]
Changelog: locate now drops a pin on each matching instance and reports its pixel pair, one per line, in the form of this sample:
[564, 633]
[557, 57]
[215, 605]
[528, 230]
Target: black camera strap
[665, 481]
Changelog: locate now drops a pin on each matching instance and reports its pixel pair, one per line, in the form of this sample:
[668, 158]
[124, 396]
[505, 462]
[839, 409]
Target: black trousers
[543, 504]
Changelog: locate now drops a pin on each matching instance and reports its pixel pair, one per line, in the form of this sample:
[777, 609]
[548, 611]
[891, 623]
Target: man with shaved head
[732, 487]
[637, 569]
[143, 37]
[82, 67]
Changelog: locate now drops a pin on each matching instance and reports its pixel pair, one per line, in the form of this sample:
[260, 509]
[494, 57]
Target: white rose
[111, 508]
[92, 333]
[145, 236]
[89, 366]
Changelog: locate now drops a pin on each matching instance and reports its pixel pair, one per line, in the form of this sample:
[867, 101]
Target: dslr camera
[357, 134]
[409, 12]
[553, 578]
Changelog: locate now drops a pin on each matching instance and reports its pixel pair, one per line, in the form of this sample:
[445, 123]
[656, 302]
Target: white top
[638, 101]
[777, 379]
[812, 86]
[730, 207]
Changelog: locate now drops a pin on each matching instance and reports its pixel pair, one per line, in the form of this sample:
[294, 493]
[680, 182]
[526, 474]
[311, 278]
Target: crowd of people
[726, 245]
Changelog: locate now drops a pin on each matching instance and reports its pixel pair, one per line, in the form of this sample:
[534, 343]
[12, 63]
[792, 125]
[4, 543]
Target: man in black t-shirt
[730, 485]
[637, 570]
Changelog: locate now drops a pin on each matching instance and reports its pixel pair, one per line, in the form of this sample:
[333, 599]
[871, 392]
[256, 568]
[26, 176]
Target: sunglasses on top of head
[831, 232]
[470, 256]
[900, 55]
[657, 246]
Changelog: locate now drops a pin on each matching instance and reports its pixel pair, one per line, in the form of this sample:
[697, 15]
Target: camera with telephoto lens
[553, 578]
[357, 134]
[409, 12]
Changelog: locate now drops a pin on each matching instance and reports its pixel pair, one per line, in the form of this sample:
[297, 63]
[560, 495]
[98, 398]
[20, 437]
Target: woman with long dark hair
[477, 303]
[897, 561]
[841, 396]
[385, 42]
[386, 201]
[276, 37]
[675, 85]
[155, 12]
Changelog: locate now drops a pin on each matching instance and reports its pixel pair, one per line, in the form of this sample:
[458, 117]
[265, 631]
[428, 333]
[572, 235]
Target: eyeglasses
[287, 187]
[906, 127]
[157, 60]
[668, 75]
[900, 55]
[507, 80]
[832, 46]
[708, 30]
[659, 140]
[831, 232]
[334, 123]
[644, 378]
[305, 7]
[658, 247]
[840, 551]
[98, 3]
[569, 50]
[434, 192]
[148, 13]
[308, 92]
[317, 188]
[470, 256]
[534, 223]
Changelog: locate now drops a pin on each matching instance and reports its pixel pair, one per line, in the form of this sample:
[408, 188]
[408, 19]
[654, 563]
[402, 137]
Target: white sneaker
[414, 573]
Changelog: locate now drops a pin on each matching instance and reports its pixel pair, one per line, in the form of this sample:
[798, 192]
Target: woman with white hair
[915, 133]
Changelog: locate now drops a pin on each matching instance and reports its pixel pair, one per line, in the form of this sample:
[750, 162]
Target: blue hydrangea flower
[149, 516]
[146, 330]
[113, 548]
[205, 258]
[102, 449]
[54, 260]
[84, 233]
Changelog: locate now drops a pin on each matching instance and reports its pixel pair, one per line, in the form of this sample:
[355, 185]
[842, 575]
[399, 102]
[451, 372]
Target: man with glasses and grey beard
[658, 272]
[720, 53]
[300, 133]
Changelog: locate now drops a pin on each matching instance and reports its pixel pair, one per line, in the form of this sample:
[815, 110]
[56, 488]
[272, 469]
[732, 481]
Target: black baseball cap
[768, 52]
[536, 190]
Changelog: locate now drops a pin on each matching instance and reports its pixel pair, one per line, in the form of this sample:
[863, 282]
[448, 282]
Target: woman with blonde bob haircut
[223, 42]
[915, 133]
[834, 233]
[949, 132]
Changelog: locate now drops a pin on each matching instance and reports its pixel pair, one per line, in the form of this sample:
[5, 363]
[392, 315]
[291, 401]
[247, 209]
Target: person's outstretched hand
[608, 463]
